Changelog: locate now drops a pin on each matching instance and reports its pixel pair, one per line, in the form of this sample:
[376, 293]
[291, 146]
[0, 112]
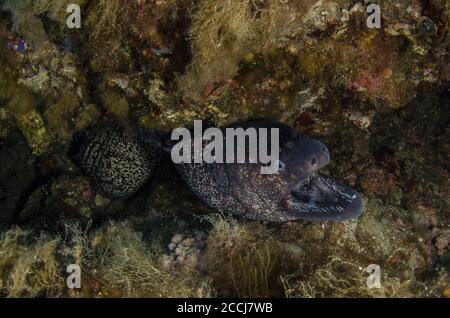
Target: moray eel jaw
[321, 198]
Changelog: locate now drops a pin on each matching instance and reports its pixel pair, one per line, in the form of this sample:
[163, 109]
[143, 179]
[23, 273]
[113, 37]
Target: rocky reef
[377, 97]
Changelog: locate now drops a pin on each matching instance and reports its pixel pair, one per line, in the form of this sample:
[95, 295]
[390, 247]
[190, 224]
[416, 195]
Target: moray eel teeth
[323, 198]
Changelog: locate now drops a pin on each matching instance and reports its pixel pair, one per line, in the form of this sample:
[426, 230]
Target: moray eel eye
[314, 162]
[281, 166]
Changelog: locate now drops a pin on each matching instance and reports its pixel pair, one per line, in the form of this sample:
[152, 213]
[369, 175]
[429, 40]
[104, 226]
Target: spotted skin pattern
[296, 192]
[118, 163]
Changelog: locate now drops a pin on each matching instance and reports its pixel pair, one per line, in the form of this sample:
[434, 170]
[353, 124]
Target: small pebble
[180, 260]
[100, 200]
[86, 212]
[172, 247]
[177, 239]
[179, 251]
[188, 242]
[191, 260]
[200, 236]
[166, 262]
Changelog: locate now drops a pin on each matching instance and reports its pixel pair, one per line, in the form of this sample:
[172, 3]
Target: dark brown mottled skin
[296, 192]
[120, 165]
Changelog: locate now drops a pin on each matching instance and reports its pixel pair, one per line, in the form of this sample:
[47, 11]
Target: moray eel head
[314, 196]
[301, 157]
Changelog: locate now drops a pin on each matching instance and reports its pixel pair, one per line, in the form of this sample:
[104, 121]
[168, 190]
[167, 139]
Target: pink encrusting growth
[370, 81]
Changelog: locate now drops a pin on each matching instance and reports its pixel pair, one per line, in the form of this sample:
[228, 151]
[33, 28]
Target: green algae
[33, 127]
[341, 278]
[17, 98]
[27, 19]
[117, 257]
[59, 116]
[246, 255]
[87, 117]
[224, 35]
[26, 22]
[29, 270]
[116, 105]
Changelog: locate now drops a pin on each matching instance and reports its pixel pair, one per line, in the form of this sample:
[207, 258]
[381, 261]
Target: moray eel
[296, 192]
[118, 164]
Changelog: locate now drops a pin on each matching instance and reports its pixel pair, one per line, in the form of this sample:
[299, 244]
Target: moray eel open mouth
[321, 198]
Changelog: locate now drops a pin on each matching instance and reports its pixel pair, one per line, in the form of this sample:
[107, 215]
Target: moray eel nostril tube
[298, 191]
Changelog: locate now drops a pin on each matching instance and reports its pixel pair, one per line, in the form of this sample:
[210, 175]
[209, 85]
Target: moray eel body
[296, 192]
[120, 164]
[117, 163]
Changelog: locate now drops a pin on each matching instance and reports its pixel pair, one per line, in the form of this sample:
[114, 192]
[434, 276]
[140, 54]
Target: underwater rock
[122, 81]
[6, 123]
[169, 207]
[116, 105]
[443, 242]
[73, 45]
[53, 201]
[58, 80]
[87, 117]
[16, 182]
[323, 15]
[68, 196]
[33, 127]
[177, 239]
[118, 164]
[101, 201]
